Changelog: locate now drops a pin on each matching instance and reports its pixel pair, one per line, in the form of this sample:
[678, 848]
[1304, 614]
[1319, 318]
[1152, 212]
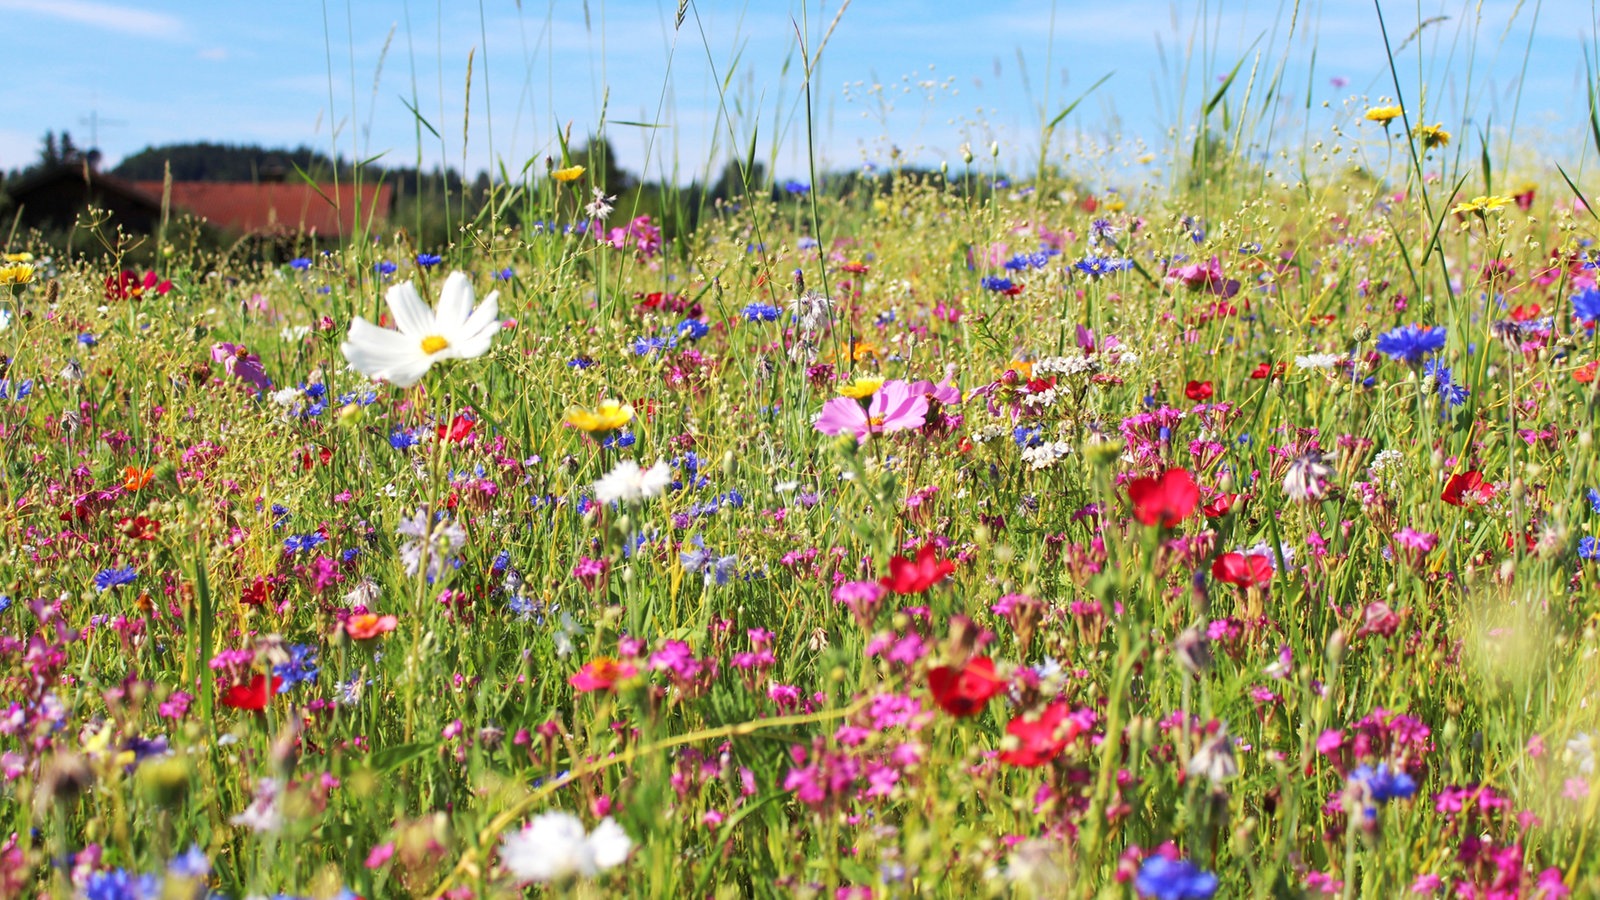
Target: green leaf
[390, 758]
[1081, 97]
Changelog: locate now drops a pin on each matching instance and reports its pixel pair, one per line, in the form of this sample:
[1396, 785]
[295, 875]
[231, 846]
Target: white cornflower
[436, 543]
[1307, 479]
[627, 483]
[454, 331]
[554, 847]
[600, 206]
[1213, 760]
[1317, 361]
[813, 311]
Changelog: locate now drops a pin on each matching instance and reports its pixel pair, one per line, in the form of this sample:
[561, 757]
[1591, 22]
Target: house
[56, 197]
[279, 208]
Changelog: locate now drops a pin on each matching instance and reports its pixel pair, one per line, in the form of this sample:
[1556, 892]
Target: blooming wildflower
[300, 263]
[1588, 548]
[1586, 306]
[760, 312]
[599, 206]
[254, 694]
[964, 691]
[1101, 266]
[15, 274]
[1213, 760]
[916, 576]
[1432, 136]
[796, 187]
[110, 578]
[366, 626]
[1041, 739]
[693, 329]
[861, 388]
[301, 668]
[1174, 879]
[1481, 205]
[569, 173]
[1383, 784]
[601, 674]
[610, 415]
[1243, 570]
[454, 331]
[1465, 487]
[127, 285]
[1383, 114]
[1307, 479]
[894, 407]
[385, 268]
[1410, 343]
[434, 544]
[1167, 500]
[1000, 285]
[554, 847]
[628, 483]
[1317, 361]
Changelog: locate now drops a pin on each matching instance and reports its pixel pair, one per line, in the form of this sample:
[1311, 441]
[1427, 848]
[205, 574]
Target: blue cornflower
[87, 339]
[1410, 343]
[1101, 266]
[5, 602]
[693, 329]
[806, 243]
[1167, 879]
[1586, 305]
[280, 515]
[579, 362]
[402, 438]
[647, 345]
[997, 284]
[300, 263]
[760, 312]
[429, 260]
[501, 560]
[1384, 784]
[350, 554]
[385, 268]
[1196, 227]
[1588, 548]
[1099, 230]
[300, 669]
[1593, 496]
[192, 863]
[505, 274]
[1026, 437]
[796, 187]
[620, 440]
[18, 391]
[296, 543]
[1024, 261]
[1451, 393]
[325, 289]
[120, 884]
[110, 578]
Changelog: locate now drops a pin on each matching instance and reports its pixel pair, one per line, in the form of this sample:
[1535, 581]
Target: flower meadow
[941, 536]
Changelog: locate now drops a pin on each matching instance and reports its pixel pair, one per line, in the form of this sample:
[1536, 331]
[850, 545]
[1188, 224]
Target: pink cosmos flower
[896, 406]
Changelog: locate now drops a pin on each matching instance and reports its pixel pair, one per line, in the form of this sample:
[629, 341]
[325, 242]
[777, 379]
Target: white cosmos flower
[554, 847]
[425, 336]
[628, 483]
[1317, 361]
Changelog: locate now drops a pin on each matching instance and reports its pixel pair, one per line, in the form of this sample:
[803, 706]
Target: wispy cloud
[109, 16]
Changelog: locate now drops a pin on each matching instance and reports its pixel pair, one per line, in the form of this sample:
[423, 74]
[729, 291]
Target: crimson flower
[1167, 500]
[1222, 505]
[254, 695]
[1268, 370]
[140, 528]
[127, 285]
[601, 674]
[1465, 487]
[459, 429]
[916, 576]
[1198, 390]
[963, 691]
[1244, 571]
[1041, 739]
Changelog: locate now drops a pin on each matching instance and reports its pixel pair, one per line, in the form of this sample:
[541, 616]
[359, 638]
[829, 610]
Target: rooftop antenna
[94, 121]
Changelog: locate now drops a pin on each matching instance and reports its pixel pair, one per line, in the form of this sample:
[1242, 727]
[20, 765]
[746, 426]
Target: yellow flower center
[875, 421]
[433, 344]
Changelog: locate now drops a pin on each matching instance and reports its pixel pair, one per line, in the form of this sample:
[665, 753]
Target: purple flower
[896, 406]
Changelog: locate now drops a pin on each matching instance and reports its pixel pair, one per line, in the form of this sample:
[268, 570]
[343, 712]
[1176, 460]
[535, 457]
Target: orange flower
[1586, 374]
[600, 674]
[134, 478]
[366, 626]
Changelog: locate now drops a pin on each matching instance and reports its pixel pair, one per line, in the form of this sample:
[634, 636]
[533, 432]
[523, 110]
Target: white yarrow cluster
[554, 847]
[1066, 366]
[1317, 361]
[1046, 454]
[628, 483]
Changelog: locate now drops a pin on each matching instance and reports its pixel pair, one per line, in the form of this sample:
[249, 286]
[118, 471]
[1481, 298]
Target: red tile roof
[277, 206]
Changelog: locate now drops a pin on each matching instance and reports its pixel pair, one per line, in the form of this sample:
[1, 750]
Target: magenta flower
[895, 407]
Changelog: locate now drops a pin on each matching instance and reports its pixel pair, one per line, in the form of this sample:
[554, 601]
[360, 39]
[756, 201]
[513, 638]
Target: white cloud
[109, 16]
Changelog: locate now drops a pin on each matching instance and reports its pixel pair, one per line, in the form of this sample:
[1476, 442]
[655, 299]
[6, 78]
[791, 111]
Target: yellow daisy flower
[1481, 205]
[861, 388]
[16, 274]
[608, 416]
[1384, 114]
[1432, 136]
[570, 173]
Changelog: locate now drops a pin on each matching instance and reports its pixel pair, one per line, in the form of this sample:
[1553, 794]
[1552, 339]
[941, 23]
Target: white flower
[1580, 750]
[1307, 479]
[437, 543]
[425, 336]
[554, 847]
[1317, 361]
[264, 814]
[600, 206]
[628, 483]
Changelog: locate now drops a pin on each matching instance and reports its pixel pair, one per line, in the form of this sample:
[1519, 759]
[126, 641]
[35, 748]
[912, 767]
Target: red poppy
[255, 695]
[1221, 506]
[1041, 739]
[1586, 374]
[258, 592]
[127, 285]
[1268, 370]
[913, 577]
[307, 461]
[1521, 313]
[457, 431]
[601, 674]
[140, 528]
[964, 691]
[1198, 390]
[1167, 500]
[1465, 487]
[1244, 571]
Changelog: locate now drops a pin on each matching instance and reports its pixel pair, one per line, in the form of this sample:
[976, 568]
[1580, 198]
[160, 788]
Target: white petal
[411, 315]
[609, 844]
[380, 353]
[455, 302]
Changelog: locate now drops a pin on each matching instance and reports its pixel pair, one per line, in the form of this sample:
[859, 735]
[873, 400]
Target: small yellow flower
[608, 416]
[1432, 136]
[861, 388]
[1481, 205]
[16, 274]
[1384, 114]
[570, 173]
[17, 257]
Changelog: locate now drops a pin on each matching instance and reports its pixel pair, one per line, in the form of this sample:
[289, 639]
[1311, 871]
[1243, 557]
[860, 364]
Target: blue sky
[922, 76]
